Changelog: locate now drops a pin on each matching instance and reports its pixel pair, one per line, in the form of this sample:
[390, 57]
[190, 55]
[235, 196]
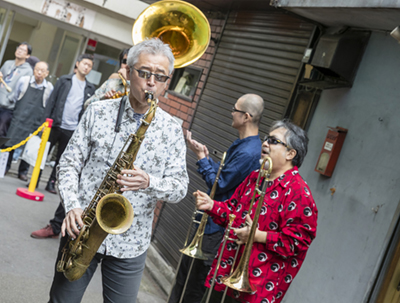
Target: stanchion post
[36, 169]
[30, 193]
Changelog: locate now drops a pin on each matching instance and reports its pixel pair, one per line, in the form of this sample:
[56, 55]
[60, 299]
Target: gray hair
[254, 105]
[152, 46]
[295, 137]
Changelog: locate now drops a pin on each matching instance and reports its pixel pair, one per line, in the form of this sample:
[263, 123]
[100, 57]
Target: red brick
[183, 116]
[174, 104]
[165, 107]
[184, 109]
[173, 111]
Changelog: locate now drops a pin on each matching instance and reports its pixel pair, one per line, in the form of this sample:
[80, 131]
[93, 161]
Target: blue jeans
[121, 280]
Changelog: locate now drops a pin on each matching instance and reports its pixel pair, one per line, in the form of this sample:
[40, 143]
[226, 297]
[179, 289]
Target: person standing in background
[11, 72]
[30, 98]
[65, 107]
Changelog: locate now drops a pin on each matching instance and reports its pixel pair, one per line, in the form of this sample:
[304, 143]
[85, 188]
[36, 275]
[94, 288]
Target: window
[184, 82]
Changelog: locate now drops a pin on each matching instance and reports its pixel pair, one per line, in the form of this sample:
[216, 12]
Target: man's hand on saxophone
[134, 179]
[72, 219]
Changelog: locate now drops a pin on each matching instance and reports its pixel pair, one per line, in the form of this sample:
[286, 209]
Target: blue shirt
[242, 157]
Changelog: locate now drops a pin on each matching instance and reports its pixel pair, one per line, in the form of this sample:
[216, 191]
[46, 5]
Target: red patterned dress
[288, 215]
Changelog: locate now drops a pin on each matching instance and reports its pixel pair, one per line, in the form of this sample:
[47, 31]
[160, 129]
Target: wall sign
[69, 12]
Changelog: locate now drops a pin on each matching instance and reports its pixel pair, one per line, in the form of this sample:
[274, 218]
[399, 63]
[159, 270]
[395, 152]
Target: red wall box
[330, 151]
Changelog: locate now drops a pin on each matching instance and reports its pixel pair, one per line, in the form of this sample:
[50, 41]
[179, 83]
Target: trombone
[239, 279]
[193, 250]
[5, 85]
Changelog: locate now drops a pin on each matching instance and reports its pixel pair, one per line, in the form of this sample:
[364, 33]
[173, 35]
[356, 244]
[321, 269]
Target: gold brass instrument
[180, 24]
[5, 85]
[109, 211]
[126, 91]
[239, 280]
[193, 250]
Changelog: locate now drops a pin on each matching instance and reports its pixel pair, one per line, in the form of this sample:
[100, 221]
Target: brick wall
[181, 108]
[185, 109]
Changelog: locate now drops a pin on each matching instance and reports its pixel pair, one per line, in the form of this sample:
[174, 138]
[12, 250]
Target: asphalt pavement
[27, 264]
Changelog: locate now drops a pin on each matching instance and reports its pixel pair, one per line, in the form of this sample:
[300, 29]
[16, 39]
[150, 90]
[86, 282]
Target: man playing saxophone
[285, 228]
[159, 174]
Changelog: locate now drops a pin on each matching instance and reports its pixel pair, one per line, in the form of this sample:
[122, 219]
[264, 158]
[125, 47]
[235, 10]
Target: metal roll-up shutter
[260, 53]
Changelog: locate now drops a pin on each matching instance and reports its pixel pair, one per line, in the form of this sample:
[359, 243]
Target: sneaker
[44, 233]
[50, 187]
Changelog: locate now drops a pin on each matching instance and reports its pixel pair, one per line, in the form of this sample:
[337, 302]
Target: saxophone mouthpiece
[149, 95]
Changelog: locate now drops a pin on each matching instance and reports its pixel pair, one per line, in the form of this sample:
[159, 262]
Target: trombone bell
[180, 24]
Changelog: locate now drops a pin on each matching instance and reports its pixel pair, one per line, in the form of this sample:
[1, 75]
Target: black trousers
[5, 120]
[58, 219]
[195, 287]
[60, 136]
[23, 167]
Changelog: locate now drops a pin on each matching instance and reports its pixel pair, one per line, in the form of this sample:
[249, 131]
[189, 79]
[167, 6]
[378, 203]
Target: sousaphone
[180, 24]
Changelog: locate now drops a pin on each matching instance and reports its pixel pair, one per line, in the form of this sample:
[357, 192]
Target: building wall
[40, 38]
[106, 25]
[356, 221]
[181, 108]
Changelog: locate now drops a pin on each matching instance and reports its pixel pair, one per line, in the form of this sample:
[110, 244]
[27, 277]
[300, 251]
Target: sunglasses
[123, 61]
[240, 111]
[274, 141]
[146, 75]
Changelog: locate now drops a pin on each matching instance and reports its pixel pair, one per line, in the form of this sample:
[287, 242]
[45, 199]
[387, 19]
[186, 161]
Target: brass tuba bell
[180, 24]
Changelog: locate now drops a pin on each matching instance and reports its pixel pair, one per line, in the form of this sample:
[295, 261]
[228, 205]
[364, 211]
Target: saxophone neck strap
[120, 113]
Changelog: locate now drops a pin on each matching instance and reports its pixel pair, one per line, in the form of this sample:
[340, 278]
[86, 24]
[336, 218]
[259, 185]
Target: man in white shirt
[159, 174]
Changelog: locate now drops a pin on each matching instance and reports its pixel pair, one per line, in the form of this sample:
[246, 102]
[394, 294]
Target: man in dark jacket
[65, 107]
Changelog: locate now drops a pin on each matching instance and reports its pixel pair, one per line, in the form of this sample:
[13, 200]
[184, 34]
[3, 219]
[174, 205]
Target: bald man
[241, 159]
[30, 99]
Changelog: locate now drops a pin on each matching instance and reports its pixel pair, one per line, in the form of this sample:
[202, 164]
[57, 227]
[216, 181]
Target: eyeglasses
[23, 49]
[240, 111]
[146, 75]
[123, 61]
[275, 141]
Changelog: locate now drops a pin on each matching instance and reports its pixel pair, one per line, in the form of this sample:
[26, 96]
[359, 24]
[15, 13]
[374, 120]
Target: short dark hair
[28, 46]
[122, 54]
[85, 56]
[296, 138]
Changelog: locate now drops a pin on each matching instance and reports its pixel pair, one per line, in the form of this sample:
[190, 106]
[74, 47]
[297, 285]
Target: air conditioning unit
[337, 57]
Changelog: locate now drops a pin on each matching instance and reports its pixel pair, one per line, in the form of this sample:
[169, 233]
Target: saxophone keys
[60, 266]
[79, 249]
[68, 265]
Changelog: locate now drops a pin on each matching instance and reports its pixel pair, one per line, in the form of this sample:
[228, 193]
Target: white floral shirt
[162, 156]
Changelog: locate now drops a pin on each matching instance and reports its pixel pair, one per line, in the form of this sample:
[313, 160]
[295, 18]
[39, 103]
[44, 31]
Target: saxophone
[109, 212]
